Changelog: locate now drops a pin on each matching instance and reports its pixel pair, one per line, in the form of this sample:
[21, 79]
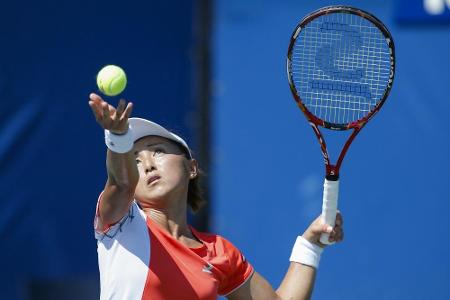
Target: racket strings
[340, 66]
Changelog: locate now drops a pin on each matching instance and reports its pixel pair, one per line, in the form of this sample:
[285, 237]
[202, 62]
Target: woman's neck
[172, 220]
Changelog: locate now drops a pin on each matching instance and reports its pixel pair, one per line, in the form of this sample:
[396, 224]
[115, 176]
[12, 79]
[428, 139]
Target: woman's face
[164, 171]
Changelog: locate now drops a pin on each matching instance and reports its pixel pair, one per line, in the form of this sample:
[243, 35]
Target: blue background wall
[268, 170]
[52, 153]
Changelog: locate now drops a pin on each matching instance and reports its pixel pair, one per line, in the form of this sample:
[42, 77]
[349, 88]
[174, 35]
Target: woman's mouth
[153, 179]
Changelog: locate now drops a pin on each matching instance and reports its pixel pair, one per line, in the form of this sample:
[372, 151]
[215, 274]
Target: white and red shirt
[139, 260]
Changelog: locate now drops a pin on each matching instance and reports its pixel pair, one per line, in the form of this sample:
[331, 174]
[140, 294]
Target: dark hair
[195, 197]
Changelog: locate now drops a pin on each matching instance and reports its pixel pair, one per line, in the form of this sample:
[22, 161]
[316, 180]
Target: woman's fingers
[120, 108]
[339, 219]
[126, 114]
[337, 234]
[109, 117]
[95, 97]
[95, 102]
[95, 110]
[106, 114]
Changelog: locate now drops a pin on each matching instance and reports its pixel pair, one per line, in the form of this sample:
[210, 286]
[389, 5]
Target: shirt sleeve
[239, 270]
[110, 230]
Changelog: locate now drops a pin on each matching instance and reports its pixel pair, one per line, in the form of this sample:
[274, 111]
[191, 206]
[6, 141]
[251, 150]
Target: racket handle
[329, 206]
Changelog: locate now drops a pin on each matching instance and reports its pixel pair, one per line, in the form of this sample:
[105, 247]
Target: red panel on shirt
[179, 272]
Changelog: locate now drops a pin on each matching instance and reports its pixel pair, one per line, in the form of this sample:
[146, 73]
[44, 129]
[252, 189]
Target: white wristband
[119, 143]
[306, 253]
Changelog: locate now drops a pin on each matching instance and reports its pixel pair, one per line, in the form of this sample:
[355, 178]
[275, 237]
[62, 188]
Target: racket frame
[332, 170]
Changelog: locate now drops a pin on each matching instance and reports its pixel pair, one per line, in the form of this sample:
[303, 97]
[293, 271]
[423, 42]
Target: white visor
[142, 127]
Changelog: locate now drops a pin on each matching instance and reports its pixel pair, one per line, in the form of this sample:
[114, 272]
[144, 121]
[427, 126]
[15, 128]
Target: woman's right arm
[122, 170]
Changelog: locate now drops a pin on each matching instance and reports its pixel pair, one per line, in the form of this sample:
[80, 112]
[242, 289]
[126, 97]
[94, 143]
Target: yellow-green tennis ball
[111, 80]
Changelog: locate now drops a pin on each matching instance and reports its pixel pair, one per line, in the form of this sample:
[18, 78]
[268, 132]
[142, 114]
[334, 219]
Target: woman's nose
[149, 164]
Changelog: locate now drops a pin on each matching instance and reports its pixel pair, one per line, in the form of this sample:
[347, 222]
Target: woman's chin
[152, 197]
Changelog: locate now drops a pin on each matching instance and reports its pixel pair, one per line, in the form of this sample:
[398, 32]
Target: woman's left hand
[317, 227]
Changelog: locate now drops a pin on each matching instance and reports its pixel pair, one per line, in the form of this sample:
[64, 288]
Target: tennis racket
[340, 67]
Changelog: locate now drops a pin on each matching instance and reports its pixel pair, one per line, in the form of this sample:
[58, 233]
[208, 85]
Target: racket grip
[329, 206]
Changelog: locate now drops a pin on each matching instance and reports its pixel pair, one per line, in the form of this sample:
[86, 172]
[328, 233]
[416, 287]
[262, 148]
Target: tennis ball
[111, 80]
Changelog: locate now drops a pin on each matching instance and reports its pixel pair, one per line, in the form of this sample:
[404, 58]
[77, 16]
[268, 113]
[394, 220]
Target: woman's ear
[193, 169]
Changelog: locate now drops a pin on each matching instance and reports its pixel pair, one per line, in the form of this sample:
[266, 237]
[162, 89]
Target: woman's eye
[158, 151]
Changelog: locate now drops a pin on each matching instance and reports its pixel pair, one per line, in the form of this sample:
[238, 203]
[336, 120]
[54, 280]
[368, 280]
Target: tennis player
[146, 248]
